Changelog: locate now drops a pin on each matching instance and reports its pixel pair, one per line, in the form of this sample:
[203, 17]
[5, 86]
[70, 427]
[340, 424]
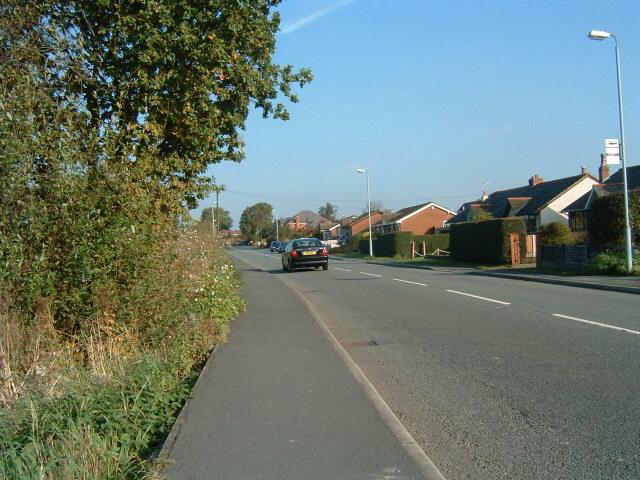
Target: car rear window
[307, 243]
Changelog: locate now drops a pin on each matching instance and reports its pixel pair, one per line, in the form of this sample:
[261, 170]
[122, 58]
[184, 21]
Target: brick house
[306, 220]
[418, 219]
[357, 225]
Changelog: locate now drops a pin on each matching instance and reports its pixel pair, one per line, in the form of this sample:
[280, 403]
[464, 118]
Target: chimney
[603, 171]
[535, 180]
[584, 171]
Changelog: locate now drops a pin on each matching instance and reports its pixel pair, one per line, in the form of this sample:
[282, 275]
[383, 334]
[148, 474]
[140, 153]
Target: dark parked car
[274, 246]
[305, 252]
[281, 247]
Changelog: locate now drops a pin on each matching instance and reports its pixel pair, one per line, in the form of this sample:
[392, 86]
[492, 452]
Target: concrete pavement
[611, 283]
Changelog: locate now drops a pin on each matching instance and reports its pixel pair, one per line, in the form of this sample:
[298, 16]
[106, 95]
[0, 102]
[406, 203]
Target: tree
[222, 218]
[376, 205]
[256, 221]
[482, 215]
[607, 220]
[174, 80]
[329, 211]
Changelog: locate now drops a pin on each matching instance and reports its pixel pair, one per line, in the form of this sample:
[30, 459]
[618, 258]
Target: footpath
[278, 401]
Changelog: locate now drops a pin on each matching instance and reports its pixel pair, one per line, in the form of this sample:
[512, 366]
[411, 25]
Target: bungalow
[537, 203]
[579, 212]
[306, 219]
[419, 219]
[357, 225]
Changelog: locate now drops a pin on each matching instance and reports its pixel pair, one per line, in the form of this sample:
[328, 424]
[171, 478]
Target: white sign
[612, 151]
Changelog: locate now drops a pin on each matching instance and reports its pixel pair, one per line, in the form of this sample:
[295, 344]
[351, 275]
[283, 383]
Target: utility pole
[275, 214]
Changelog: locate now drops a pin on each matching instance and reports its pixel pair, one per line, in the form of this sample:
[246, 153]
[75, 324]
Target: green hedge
[434, 241]
[486, 241]
[607, 220]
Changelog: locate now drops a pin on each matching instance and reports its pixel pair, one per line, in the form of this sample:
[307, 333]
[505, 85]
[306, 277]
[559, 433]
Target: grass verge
[97, 406]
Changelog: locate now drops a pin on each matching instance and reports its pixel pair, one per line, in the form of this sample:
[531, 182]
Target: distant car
[274, 246]
[281, 247]
[305, 252]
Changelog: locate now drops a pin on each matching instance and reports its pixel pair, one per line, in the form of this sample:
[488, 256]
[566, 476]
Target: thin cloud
[309, 19]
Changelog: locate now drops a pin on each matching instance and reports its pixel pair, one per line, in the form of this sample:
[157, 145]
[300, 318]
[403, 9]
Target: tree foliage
[607, 220]
[222, 218]
[329, 210]
[173, 80]
[256, 221]
[110, 114]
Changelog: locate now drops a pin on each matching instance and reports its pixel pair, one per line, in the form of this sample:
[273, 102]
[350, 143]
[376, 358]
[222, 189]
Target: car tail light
[324, 251]
[294, 253]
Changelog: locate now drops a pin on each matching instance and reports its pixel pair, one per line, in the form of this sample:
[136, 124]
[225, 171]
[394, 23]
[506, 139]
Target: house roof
[407, 212]
[309, 217]
[469, 211]
[633, 177]
[498, 203]
[611, 185]
[364, 216]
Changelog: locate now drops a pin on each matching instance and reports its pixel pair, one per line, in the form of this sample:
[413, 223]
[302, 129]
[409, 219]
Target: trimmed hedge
[486, 241]
[393, 244]
[434, 241]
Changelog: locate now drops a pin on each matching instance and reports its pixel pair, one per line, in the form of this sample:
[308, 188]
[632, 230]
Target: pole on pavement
[362, 170]
[628, 245]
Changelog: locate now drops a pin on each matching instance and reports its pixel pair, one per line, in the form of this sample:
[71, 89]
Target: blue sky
[437, 99]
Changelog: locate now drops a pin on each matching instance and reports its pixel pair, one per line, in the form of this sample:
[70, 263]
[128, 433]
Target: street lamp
[362, 170]
[601, 35]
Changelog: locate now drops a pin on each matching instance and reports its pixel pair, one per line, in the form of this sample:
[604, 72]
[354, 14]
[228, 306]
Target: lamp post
[275, 214]
[362, 170]
[600, 35]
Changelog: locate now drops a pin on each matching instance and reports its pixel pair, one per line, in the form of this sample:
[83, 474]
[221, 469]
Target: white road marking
[412, 283]
[343, 269]
[613, 327]
[371, 274]
[480, 298]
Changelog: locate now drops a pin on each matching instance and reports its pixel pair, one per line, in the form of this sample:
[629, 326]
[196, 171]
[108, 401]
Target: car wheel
[284, 268]
[325, 266]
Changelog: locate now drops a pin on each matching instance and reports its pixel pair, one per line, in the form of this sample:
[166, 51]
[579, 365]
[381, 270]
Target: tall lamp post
[600, 35]
[362, 170]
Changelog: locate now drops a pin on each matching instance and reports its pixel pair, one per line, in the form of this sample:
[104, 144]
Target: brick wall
[425, 221]
[363, 224]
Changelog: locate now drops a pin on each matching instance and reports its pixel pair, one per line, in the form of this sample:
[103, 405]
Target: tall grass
[96, 406]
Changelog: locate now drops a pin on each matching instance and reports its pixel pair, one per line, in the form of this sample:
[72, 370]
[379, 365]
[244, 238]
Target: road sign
[612, 151]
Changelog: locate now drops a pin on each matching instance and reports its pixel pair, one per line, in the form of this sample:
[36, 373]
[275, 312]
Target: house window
[578, 221]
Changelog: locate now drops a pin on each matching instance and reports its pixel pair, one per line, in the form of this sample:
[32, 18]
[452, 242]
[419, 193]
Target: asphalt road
[494, 378]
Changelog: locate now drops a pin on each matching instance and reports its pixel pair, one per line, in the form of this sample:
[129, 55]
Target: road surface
[494, 378]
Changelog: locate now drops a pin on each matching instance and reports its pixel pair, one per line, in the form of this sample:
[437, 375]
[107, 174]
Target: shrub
[607, 220]
[556, 233]
[486, 241]
[612, 262]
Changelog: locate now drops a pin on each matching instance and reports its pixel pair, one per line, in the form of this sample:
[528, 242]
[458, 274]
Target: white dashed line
[343, 269]
[613, 327]
[479, 298]
[370, 274]
[412, 283]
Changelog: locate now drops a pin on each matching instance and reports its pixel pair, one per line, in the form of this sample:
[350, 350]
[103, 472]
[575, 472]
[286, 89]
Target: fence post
[424, 248]
[413, 250]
